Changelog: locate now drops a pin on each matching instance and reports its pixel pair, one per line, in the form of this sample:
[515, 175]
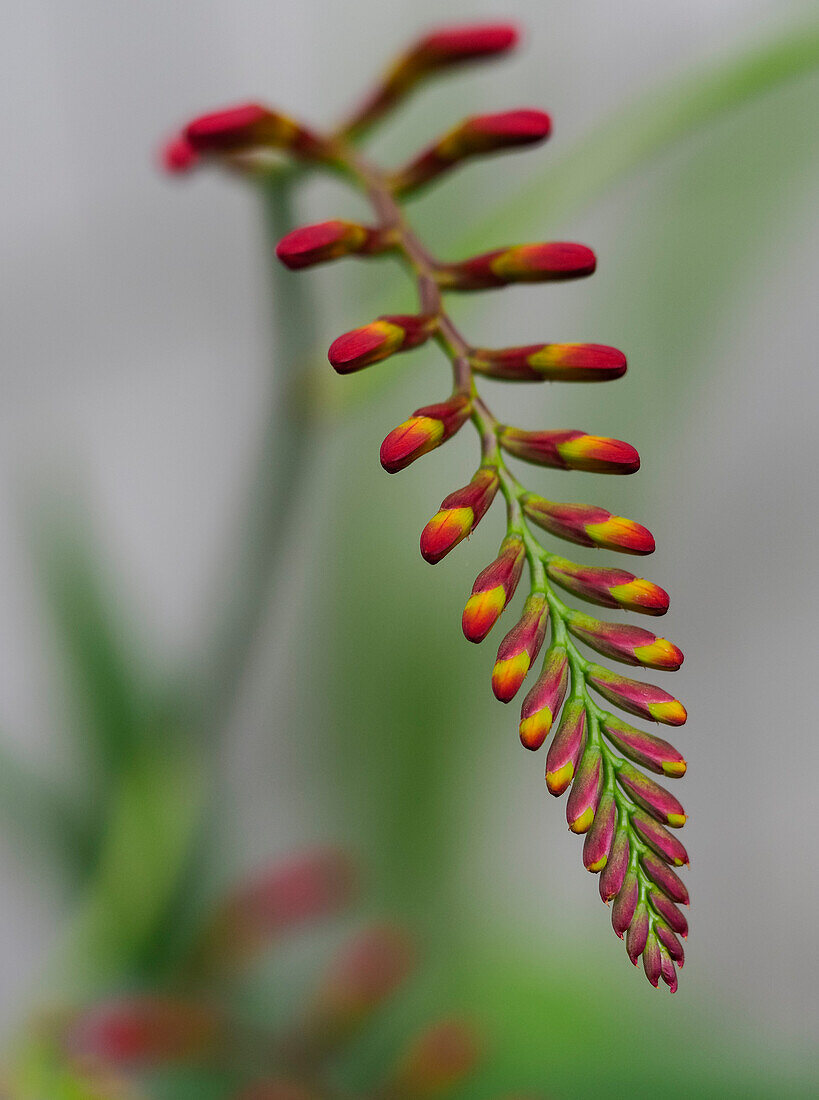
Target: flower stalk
[623, 814]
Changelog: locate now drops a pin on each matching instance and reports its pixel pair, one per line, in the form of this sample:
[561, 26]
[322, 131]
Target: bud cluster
[624, 816]
[297, 1058]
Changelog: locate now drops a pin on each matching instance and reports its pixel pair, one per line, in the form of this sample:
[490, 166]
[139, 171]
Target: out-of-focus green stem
[279, 469]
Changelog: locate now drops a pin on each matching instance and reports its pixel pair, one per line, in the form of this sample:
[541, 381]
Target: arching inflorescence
[626, 817]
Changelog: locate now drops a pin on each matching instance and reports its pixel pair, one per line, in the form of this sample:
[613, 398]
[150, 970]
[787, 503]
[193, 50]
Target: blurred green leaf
[92, 633]
[150, 838]
[42, 818]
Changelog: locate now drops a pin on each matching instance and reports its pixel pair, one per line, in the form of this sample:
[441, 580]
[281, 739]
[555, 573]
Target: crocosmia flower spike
[570, 702]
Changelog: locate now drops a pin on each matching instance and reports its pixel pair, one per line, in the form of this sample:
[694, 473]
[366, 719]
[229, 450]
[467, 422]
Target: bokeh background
[160, 526]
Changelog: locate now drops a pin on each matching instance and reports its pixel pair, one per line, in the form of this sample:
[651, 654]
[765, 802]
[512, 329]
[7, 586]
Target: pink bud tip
[518, 127]
[469, 42]
[313, 244]
[178, 155]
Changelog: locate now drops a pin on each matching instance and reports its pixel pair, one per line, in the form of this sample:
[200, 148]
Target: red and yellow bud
[651, 796]
[439, 1059]
[667, 971]
[588, 525]
[674, 917]
[476, 136]
[652, 959]
[625, 904]
[670, 943]
[251, 126]
[630, 644]
[644, 748]
[585, 793]
[613, 874]
[550, 363]
[553, 261]
[644, 700]
[660, 839]
[435, 53]
[493, 589]
[667, 880]
[520, 648]
[459, 515]
[317, 244]
[566, 747]
[425, 430]
[608, 587]
[380, 339]
[543, 703]
[571, 450]
[144, 1030]
[637, 934]
[600, 837]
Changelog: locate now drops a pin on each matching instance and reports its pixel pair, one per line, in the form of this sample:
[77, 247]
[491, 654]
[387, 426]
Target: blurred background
[219, 641]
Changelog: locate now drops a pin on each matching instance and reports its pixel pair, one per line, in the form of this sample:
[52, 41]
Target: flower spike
[426, 429]
[626, 817]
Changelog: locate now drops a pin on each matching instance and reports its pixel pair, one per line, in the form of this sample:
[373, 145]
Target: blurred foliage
[396, 721]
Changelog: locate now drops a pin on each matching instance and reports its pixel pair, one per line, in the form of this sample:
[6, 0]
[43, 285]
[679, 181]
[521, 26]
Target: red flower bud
[668, 973]
[637, 932]
[493, 589]
[625, 904]
[600, 836]
[475, 136]
[613, 874]
[550, 363]
[426, 429]
[630, 644]
[459, 515]
[670, 943]
[144, 1030]
[364, 974]
[585, 793]
[651, 796]
[634, 696]
[571, 450]
[543, 703]
[660, 839]
[588, 526]
[652, 960]
[378, 340]
[436, 52]
[667, 880]
[566, 747]
[608, 587]
[240, 129]
[669, 912]
[439, 1059]
[316, 244]
[550, 261]
[652, 752]
[520, 648]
